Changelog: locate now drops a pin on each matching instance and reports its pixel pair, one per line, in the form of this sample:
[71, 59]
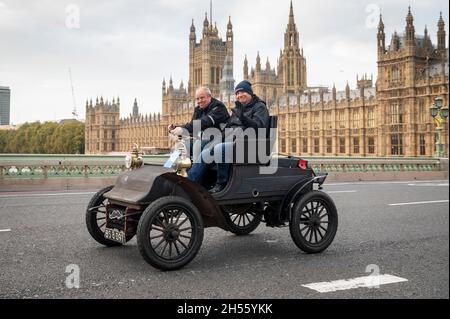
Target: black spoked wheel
[314, 222]
[170, 233]
[242, 219]
[96, 218]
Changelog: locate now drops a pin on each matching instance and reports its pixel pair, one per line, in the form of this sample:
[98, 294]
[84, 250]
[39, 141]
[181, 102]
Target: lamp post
[439, 114]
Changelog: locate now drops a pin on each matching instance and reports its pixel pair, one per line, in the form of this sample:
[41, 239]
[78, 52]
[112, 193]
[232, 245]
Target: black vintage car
[168, 213]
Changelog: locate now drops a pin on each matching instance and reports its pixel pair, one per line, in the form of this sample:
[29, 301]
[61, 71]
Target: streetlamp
[439, 115]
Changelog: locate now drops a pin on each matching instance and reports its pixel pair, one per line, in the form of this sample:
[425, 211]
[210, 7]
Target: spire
[205, 22]
[409, 17]
[192, 35]
[381, 37]
[381, 24]
[268, 68]
[229, 25]
[135, 109]
[347, 91]
[245, 68]
[409, 31]
[258, 63]
[441, 35]
[291, 14]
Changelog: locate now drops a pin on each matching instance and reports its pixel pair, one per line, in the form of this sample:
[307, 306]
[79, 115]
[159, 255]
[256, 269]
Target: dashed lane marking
[429, 185]
[5, 230]
[420, 203]
[354, 283]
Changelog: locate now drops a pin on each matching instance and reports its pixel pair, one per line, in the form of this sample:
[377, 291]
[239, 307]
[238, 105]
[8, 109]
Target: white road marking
[383, 183]
[360, 282]
[429, 185]
[420, 203]
[49, 194]
[338, 192]
[5, 230]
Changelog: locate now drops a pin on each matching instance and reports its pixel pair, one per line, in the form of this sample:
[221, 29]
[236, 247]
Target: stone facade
[388, 118]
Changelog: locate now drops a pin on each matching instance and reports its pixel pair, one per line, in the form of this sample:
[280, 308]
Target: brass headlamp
[134, 160]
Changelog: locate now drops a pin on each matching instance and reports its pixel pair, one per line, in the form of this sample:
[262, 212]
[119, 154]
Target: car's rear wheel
[96, 218]
[242, 219]
[170, 233]
[314, 222]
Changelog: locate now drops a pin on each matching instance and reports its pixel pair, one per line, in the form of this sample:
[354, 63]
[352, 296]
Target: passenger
[210, 112]
[249, 112]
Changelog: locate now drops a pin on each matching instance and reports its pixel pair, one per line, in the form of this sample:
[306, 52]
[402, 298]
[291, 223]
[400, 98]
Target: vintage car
[168, 213]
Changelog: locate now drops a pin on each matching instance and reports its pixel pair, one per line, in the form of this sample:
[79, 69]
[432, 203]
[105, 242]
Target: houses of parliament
[388, 118]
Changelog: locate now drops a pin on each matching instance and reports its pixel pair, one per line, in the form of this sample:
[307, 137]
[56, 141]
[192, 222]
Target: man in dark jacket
[250, 112]
[210, 112]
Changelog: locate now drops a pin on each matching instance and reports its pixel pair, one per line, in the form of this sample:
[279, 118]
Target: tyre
[96, 218]
[314, 222]
[242, 219]
[170, 233]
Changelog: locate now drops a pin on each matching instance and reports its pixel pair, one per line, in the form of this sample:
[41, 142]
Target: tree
[46, 138]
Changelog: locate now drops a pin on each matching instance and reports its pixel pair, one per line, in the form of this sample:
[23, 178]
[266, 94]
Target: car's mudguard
[145, 185]
[292, 195]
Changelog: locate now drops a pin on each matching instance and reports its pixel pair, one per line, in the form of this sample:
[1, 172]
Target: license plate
[115, 235]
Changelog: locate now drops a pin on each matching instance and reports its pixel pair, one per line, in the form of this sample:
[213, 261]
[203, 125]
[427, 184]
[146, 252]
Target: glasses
[200, 98]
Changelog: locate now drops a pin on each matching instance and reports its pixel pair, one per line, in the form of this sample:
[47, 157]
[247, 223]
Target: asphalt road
[396, 229]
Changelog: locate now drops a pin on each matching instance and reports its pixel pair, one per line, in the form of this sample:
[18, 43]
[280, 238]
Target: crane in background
[74, 111]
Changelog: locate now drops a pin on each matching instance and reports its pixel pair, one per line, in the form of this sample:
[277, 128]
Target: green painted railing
[84, 166]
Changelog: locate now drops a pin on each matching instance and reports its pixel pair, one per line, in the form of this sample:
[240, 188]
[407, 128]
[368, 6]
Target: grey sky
[125, 48]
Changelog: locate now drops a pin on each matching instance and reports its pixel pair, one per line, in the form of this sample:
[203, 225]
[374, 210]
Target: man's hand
[171, 127]
[178, 131]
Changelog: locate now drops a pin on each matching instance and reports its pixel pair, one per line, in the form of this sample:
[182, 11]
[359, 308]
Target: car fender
[147, 184]
[293, 194]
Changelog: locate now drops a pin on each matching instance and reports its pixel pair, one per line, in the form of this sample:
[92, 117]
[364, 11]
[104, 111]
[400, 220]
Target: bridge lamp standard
[439, 114]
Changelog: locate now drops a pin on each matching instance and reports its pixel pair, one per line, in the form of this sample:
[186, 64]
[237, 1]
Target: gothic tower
[407, 71]
[292, 63]
[207, 58]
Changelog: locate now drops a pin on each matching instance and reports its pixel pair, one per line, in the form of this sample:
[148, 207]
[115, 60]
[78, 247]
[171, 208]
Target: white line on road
[5, 230]
[338, 192]
[381, 183]
[429, 185]
[360, 282]
[49, 194]
[420, 203]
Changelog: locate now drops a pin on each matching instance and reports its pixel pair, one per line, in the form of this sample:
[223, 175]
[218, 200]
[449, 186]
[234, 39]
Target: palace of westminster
[388, 118]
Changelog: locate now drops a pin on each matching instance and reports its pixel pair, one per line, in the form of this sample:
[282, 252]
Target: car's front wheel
[170, 233]
[314, 222]
[96, 218]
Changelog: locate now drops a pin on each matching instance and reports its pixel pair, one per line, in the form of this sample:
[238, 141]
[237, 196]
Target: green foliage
[46, 138]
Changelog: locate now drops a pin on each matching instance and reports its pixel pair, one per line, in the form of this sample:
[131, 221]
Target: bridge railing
[54, 166]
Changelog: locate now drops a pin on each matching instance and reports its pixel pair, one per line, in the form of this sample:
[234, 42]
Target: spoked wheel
[96, 218]
[170, 233]
[314, 222]
[242, 219]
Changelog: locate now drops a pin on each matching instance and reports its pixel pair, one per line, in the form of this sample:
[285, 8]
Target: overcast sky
[126, 48]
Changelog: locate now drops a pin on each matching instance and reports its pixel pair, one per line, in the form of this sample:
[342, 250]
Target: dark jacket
[212, 116]
[254, 115]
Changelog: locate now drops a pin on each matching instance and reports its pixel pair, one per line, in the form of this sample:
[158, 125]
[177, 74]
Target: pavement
[395, 234]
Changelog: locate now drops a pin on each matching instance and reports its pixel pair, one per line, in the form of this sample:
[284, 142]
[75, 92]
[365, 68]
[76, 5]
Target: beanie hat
[245, 86]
